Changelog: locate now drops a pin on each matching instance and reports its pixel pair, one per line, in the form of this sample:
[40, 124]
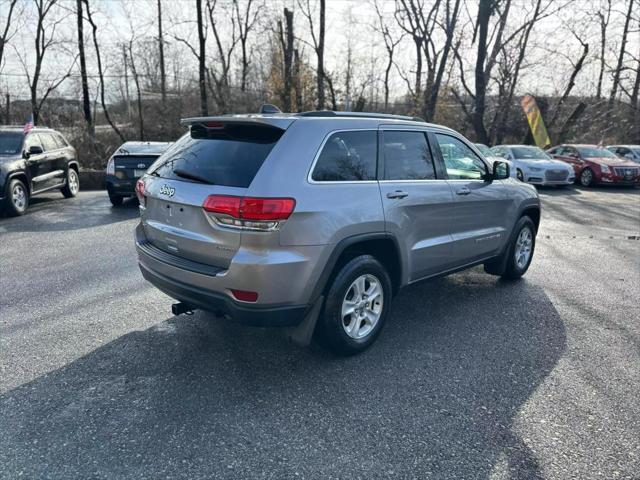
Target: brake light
[141, 191]
[249, 212]
[111, 167]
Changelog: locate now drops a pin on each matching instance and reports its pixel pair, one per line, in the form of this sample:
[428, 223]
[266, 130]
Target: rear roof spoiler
[280, 121]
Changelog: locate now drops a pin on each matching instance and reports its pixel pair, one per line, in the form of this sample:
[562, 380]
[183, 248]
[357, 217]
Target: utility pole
[126, 81]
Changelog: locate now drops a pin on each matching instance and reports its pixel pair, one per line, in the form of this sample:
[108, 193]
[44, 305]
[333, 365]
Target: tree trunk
[484, 15]
[86, 100]
[320, 52]
[604, 22]
[616, 74]
[96, 46]
[5, 33]
[202, 81]
[287, 54]
[432, 100]
[163, 76]
[570, 85]
[571, 121]
[296, 79]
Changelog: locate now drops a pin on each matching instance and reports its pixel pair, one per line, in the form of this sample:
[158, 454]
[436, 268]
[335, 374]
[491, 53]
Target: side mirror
[35, 150]
[501, 170]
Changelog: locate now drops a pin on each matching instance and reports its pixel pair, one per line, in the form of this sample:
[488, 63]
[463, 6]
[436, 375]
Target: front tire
[586, 177]
[17, 199]
[520, 251]
[72, 186]
[116, 200]
[356, 307]
[519, 175]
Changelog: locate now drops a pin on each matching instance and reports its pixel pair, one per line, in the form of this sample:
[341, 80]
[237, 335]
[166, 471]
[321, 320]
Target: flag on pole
[29, 125]
[534, 117]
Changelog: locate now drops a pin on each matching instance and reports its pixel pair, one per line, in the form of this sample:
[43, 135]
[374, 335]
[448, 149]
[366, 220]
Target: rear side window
[347, 157]
[62, 143]
[229, 156]
[407, 156]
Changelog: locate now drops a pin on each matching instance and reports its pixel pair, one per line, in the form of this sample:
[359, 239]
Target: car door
[481, 207]
[34, 162]
[417, 202]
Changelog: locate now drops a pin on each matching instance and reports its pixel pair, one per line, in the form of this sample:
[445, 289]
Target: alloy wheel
[362, 306]
[524, 244]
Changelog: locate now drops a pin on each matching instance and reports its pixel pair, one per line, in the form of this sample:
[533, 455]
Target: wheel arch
[22, 176]
[382, 245]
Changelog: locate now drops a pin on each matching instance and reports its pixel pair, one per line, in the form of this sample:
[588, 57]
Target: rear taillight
[250, 213]
[244, 295]
[141, 192]
[111, 167]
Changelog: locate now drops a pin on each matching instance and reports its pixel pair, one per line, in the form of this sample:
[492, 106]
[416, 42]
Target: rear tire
[521, 248]
[72, 187]
[519, 175]
[17, 199]
[356, 307]
[116, 200]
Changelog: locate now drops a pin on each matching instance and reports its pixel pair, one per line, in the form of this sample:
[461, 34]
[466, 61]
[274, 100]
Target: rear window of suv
[229, 156]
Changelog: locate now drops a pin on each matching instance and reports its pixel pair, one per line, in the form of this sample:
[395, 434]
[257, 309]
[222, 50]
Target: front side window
[347, 157]
[407, 156]
[460, 161]
[33, 140]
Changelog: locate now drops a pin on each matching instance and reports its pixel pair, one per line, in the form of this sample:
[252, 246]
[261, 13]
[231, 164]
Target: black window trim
[344, 182]
[406, 128]
[464, 141]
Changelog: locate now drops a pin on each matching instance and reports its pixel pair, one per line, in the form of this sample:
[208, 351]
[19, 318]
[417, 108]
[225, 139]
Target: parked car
[594, 165]
[489, 155]
[533, 165]
[127, 164]
[629, 152]
[282, 219]
[33, 163]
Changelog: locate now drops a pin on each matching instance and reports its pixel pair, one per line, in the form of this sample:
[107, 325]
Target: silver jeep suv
[315, 220]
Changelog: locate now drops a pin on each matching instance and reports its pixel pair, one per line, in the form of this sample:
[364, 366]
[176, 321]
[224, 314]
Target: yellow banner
[536, 123]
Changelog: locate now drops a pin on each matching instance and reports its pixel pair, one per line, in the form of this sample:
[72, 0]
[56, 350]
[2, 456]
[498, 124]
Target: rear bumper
[283, 316]
[120, 187]
[208, 288]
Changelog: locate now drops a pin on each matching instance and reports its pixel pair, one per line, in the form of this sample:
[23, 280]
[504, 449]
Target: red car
[594, 165]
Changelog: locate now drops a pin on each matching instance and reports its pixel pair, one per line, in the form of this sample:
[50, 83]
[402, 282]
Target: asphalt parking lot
[472, 377]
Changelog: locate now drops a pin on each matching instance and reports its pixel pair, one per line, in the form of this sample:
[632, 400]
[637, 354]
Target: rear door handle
[397, 194]
[464, 191]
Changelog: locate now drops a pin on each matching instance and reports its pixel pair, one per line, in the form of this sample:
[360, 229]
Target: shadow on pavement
[198, 397]
[53, 213]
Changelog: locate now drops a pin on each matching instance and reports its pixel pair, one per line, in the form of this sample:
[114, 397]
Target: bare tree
[285, 34]
[390, 45]
[603, 18]
[317, 44]
[96, 46]
[6, 31]
[86, 100]
[246, 21]
[163, 76]
[202, 82]
[136, 80]
[620, 63]
[221, 76]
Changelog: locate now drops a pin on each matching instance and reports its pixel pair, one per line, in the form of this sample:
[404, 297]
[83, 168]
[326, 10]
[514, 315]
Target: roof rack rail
[332, 113]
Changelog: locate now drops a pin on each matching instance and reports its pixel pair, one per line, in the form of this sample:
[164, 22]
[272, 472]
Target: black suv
[32, 163]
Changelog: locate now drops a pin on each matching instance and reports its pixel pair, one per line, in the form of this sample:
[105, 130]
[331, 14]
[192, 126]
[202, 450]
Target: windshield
[229, 156]
[484, 150]
[10, 143]
[595, 152]
[529, 153]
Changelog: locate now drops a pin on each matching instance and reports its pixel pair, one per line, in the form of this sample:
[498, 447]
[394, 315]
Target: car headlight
[605, 169]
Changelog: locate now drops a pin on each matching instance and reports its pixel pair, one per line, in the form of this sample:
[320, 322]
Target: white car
[534, 165]
[630, 152]
[492, 157]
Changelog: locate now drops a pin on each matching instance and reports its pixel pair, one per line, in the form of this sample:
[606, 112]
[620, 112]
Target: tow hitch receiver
[180, 308]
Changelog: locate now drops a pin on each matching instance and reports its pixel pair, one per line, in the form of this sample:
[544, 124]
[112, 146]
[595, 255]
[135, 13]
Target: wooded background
[106, 71]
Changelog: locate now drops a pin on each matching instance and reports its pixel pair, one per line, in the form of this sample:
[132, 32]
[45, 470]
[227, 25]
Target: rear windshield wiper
[191, 176]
